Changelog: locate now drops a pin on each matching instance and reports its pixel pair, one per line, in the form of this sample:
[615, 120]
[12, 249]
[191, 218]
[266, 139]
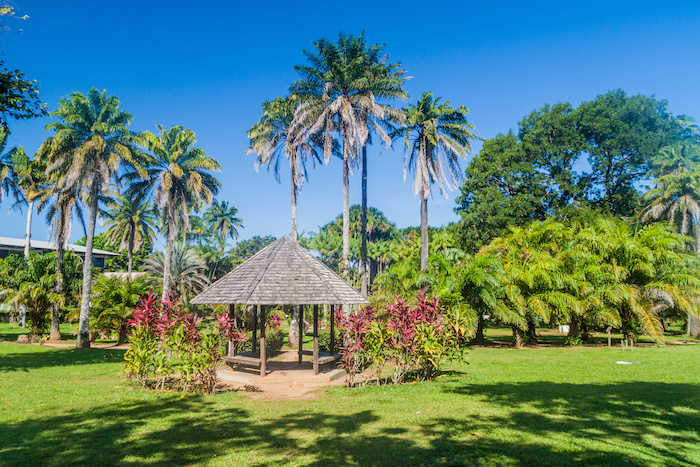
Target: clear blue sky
[209, 66]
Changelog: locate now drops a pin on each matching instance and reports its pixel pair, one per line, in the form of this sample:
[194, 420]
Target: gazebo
[282, 273]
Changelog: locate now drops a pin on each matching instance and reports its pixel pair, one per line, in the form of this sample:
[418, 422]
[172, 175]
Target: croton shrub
[401, 340]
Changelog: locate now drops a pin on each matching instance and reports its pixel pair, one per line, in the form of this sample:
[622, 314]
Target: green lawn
[546, 406]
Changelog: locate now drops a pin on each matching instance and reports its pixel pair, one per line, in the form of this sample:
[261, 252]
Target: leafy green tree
[19, 97]
[436, 136]
[91, 140]
[272, 136]
[131, 222]
[247, 248]
[180, 175]
[623, 135]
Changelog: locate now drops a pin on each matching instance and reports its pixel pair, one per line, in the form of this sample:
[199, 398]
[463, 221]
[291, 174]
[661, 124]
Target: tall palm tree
[61, 205]
[90, 143]
[433, 132]
[221, 219]
[8, 164]
[31, 179]
[186, 269]
[179, 174]
[131, 222]
[272, 136]
[337, 94]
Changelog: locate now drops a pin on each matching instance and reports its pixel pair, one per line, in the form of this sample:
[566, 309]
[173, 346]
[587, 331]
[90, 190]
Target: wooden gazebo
[282, 273]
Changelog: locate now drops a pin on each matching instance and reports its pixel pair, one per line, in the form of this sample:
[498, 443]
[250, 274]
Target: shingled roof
[282, 273]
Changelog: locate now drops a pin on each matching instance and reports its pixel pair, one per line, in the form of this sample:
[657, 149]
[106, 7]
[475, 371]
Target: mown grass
[543, 406]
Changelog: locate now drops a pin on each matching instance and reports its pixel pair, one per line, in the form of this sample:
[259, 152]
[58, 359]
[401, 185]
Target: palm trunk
[170, 242]
[423, 232]
[130, 254]
[479, 338]
[294, 204]
[55, 334]
[518, 335]
[84, 325]
[28, 234]
[363, 248]
[346, 216]
[693, 326]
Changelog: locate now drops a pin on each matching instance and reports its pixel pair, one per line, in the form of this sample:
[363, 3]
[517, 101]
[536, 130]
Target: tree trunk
[423, 232]
[28, 234]
[363, 249]
[574, 329]
[294, 203]
[293, 339]
[84, 324]
[693, 326]
[55, 334]
[130, 254]
[532, 332]
[518, 335]
[346, 216]
[479, 337]
[169, 244]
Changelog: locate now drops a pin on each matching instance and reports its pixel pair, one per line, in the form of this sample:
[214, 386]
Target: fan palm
[338, 93]
[131, 222]
[90, 143]
[272, 136]
[433, 132]
[179, 175]
[186, 269]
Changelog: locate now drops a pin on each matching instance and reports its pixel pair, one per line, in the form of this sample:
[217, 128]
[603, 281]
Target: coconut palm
[8, 164]
[186, 269]
[179, 175]
[90, 143]
[271, 137]
[130, 222]
[433, 132]
[114, 302]
[31, 179]
[338, 96]
[221, 219]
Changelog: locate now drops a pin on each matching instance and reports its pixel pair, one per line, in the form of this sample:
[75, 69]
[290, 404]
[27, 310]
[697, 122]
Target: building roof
[18, 243]
[282, 273]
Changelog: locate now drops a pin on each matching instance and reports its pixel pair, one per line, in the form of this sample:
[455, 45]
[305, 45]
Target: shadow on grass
[658, 421]
[22, 360]
[193, 430]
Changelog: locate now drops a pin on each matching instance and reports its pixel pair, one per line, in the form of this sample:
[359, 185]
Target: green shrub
[274, 340]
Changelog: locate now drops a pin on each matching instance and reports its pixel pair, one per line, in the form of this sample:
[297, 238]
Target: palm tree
[179, 174]
[131, 222]
[8, 164]
[221, 219]
[338, 98]
[186, 269]
[272, 136]
[61, 205]
[432, 132]
[31, 178]
[90, 143]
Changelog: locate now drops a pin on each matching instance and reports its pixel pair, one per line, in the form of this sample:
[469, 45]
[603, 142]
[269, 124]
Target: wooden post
[609, 336]
[300, 321]
[263, 359]
[255, 328]
[231, 316]
[315, 339]
[332, 349]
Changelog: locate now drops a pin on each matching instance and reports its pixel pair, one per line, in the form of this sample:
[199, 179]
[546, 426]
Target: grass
[542, 406]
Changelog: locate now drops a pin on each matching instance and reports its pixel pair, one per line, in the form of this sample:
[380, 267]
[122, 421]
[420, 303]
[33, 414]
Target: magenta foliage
[355, 327]
[405, 321]
[274, 322]
[146, 314]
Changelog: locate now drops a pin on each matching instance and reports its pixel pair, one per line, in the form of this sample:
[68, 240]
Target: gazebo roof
[282, 273]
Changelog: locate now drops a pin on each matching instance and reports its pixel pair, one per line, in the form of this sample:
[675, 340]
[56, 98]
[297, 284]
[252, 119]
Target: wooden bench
[323, 357]
[243, 358]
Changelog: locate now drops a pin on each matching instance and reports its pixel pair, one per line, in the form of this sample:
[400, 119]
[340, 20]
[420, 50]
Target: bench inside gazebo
[282, 273]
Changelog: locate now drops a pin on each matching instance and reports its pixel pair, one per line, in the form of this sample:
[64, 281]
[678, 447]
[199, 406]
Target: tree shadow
[27, 361]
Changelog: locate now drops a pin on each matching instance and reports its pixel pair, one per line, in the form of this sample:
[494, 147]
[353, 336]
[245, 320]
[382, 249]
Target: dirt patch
[302, 390]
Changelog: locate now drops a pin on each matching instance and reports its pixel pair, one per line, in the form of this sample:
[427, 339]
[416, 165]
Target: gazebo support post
[255, 328]
[231, 316]
[263, 362]
[332, 349]
[300, 320]
[315, 339]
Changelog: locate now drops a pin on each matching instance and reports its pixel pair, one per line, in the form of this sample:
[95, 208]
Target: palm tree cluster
[95, 166]
[342, 99]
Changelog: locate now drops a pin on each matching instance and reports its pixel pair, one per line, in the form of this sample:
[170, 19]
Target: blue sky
[209, 66]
